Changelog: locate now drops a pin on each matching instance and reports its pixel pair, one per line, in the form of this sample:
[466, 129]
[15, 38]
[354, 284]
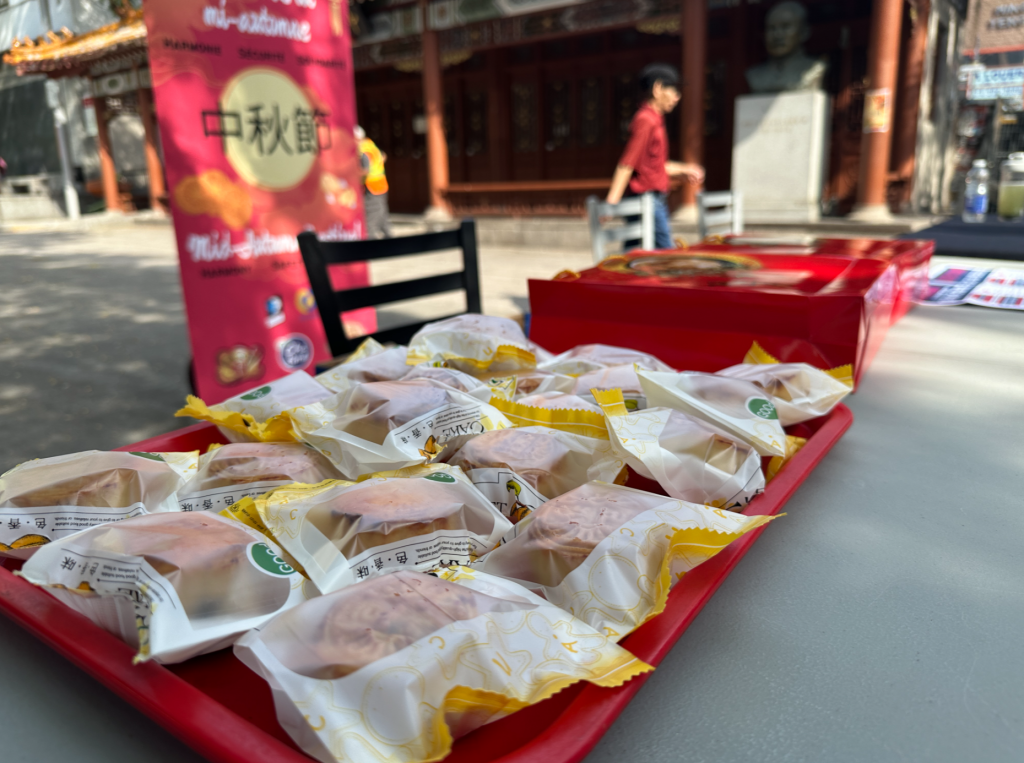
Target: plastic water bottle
[976, 193]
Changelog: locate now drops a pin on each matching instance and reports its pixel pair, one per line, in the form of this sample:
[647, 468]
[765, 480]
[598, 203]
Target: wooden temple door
[467, 128]
[392, 116]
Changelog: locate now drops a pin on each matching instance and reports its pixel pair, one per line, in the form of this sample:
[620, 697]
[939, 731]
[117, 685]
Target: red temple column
[108, 172]
[433, 106]
[876, 142]
[157, 188]
[694, 28]
[908, 100]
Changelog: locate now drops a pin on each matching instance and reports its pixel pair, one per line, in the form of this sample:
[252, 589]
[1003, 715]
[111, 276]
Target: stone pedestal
[780, 154]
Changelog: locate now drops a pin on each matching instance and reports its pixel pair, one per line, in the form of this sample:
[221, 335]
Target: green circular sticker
[150, 456]
[763, 409]
[440, 477]
[256, 394]
[265, 559]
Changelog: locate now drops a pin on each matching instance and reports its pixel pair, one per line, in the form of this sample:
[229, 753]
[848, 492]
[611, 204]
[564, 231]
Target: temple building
[113, 61]
[522, 107]
[537, 95]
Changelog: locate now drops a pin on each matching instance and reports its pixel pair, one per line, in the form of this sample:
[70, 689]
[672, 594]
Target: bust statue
[789, 68]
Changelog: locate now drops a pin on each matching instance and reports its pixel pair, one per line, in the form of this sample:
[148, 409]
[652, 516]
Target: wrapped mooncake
[396, 667]
[610, 554]
[171, 585]
[51, 498]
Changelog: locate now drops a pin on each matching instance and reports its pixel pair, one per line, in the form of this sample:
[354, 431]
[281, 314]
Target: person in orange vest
[375, 182]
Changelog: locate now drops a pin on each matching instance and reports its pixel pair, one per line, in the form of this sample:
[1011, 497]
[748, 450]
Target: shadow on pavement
[93, 346]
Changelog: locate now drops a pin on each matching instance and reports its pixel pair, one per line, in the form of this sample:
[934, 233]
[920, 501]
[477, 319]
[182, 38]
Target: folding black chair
[319, 255]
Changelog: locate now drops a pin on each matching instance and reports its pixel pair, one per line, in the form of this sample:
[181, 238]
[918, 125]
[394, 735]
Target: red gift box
[701, 309]
[910, 258]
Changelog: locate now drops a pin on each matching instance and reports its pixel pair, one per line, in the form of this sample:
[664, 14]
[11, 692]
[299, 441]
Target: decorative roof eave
[66, 52]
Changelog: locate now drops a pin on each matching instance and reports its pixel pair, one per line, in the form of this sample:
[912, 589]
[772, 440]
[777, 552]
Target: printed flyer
[256, 104]
[986, 287]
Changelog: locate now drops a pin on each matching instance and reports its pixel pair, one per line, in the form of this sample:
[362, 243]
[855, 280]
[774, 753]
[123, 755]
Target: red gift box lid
[722, 267]
[857, 248]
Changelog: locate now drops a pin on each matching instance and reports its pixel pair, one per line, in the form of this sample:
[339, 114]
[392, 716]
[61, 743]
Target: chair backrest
[720, 212]
[319, 255]
[639, 230]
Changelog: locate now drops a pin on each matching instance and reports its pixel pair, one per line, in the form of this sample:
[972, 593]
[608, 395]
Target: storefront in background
[113, 60]
[990, 124]
[524, 108]
[536, 97]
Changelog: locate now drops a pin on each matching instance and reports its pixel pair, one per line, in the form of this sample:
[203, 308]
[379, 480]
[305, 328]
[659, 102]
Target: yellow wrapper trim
[418, 470]
[611, 401]
[367, 349]
[503, 387]
[585, 423]
[793, 444]
[488, 705]
[758, 355]
[294, 492]
[691, 542]
[504, 352]
[275, 429]
[842, 374]
[245, 511]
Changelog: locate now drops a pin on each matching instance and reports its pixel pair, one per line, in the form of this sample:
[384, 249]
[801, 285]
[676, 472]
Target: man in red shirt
[644, 165]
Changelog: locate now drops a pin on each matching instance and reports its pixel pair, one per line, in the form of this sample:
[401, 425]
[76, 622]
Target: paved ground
[93, 352]
[93, 344]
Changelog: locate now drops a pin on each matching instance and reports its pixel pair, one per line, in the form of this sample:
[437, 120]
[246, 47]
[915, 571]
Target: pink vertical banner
[256, 105]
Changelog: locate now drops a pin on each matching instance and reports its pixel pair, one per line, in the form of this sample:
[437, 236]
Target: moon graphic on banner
[274, 143]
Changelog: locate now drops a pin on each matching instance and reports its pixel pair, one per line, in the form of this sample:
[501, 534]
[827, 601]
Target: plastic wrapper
[371, 362]
[173, 586]
[610, 554]
[342, 533]
[389, 425]
[476, 344]
[232, 472]
[799, 391]
[50, 498]
[588, 423]
[397, 667]
[623, 378]
[258, 415]
[456, 379]
[519, 469]
[592, 357]
[558, 400]
[739, 407]
[793, 446]
[691, 459]
[538, 381]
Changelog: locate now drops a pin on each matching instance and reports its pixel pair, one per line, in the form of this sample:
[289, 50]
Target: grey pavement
[94, 351]
[879, 621]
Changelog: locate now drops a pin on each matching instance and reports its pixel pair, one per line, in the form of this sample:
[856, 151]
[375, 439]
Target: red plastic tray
[225, 712]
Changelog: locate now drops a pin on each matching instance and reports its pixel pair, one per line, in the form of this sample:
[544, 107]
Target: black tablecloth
[992, 239]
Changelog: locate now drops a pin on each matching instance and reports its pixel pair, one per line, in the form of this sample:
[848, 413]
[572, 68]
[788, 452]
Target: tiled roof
[66, 50]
